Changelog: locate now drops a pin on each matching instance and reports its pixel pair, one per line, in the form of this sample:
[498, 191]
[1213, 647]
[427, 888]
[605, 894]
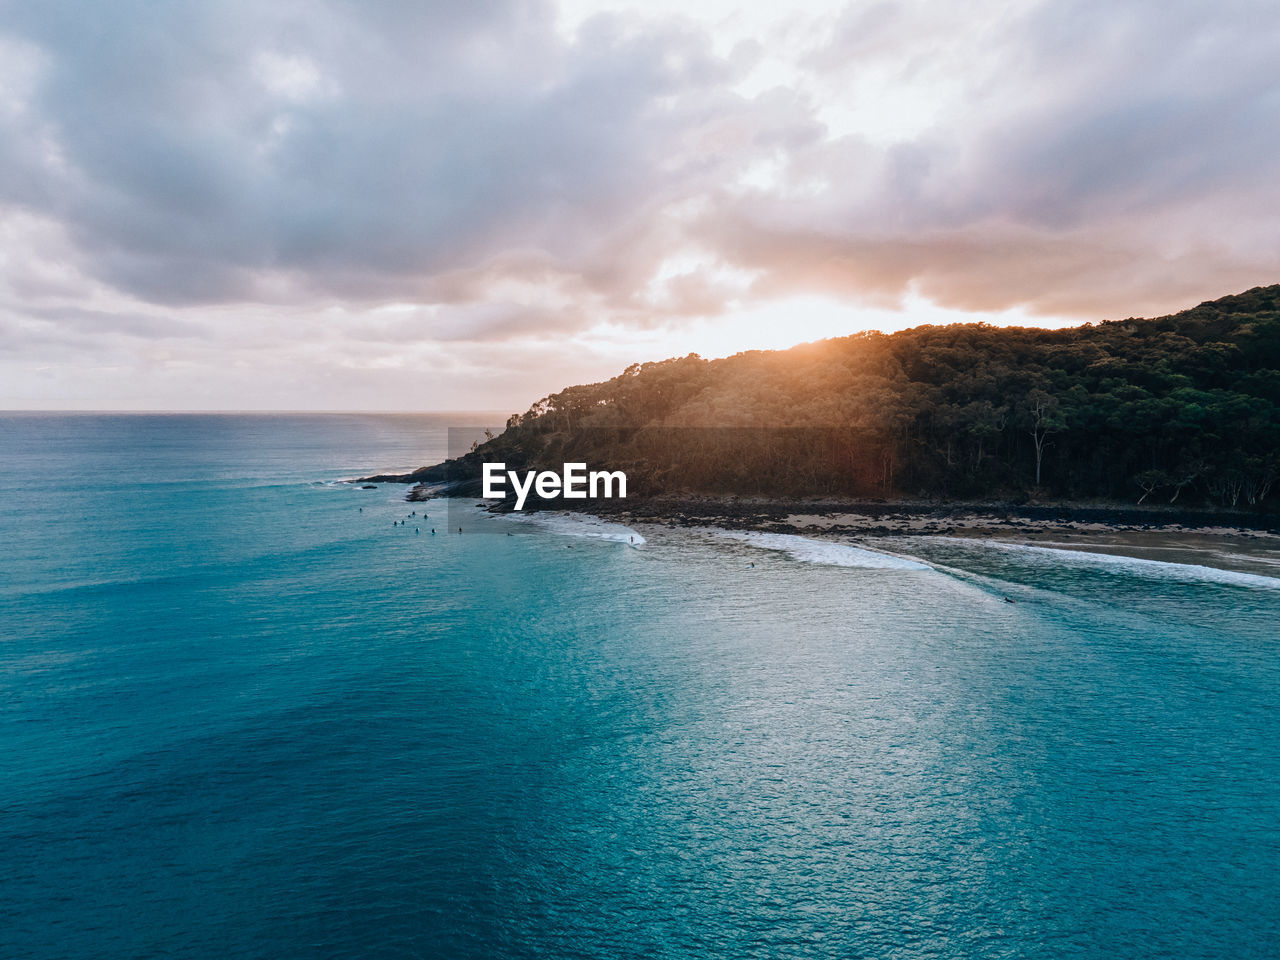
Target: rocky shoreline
[871, 518]
[1239, 541]
[897, 518]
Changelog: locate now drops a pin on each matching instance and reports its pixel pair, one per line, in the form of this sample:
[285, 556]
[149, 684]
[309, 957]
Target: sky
[417, 205]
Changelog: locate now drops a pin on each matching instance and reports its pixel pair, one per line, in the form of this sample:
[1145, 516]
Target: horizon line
[86, 411]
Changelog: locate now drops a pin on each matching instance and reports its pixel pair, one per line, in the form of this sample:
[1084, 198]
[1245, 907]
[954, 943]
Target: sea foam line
[580, 525]
[826, 552]
[1137, 566]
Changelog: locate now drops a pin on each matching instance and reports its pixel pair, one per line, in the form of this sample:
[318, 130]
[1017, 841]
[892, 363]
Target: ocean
[246, 714]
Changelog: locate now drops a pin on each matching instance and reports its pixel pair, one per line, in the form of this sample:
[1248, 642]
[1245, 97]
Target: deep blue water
[242, 717]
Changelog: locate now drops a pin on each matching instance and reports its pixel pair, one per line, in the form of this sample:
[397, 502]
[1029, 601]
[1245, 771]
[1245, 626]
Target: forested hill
[1184, 407]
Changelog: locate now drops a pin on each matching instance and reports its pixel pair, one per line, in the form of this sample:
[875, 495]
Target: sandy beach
[1239, 542]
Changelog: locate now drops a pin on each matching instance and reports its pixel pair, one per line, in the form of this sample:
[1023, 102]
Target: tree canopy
[1183, 406]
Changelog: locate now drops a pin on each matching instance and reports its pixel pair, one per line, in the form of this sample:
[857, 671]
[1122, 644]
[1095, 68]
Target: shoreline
[1239, 543]
[1236, 540]
[870, 517]
[910, 518]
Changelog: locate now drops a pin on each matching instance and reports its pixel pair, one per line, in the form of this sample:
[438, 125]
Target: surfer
[1008, 599]
[416, 530]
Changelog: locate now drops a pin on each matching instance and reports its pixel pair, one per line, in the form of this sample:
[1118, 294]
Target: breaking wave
[1135, 566]
[580, 525]
[829, 553]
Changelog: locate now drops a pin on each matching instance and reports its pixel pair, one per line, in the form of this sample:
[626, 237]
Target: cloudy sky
[404, 204]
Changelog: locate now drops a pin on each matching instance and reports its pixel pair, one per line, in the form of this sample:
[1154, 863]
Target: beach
[1238, 541]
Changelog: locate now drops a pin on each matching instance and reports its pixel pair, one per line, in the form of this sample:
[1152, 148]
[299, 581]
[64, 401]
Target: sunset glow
[386, 206]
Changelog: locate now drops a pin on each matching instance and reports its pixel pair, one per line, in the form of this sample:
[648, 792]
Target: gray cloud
[1104, 157]
[1088, 158]
[78, 321]
[361, 151]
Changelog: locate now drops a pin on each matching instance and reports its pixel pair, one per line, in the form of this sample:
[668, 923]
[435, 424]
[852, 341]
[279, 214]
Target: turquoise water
[244, 717]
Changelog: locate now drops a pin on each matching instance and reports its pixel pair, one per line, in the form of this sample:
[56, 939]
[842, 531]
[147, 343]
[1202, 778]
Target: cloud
[498, 172]
[1098, 158]
[362, 153]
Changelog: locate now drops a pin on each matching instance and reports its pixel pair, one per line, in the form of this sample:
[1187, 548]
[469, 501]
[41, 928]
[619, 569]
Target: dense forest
[1183, 408]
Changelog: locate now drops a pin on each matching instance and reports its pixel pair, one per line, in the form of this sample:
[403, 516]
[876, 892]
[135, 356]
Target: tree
[1149, 481]
[1177, 407]
[1046, 419]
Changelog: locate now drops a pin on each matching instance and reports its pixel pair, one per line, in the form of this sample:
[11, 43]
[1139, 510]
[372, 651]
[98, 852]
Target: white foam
[826, 552]
[1137, 566]
[580, 525]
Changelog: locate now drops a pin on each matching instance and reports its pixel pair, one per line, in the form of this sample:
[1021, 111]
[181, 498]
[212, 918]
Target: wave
[826, 552]
[580, 525]
[1136, 566]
